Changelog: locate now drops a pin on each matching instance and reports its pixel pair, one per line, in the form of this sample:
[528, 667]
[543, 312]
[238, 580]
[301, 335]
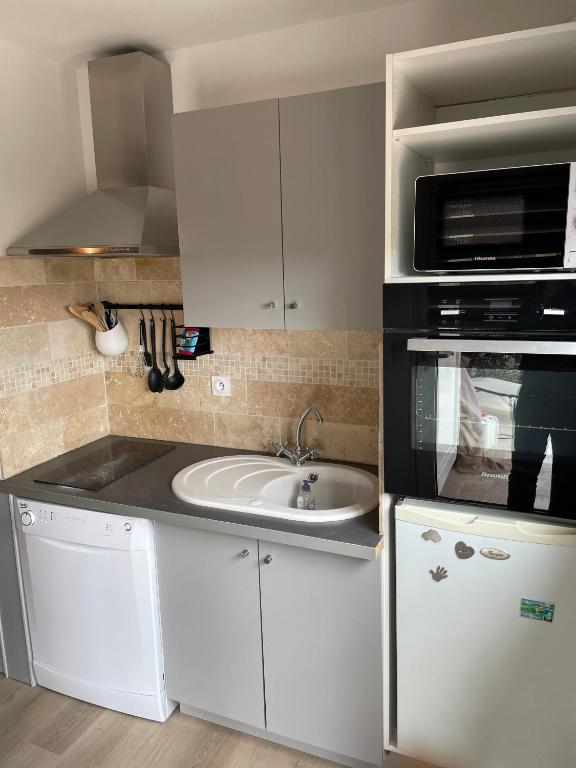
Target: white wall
[344, 51]
[41, 162]
[332, 53]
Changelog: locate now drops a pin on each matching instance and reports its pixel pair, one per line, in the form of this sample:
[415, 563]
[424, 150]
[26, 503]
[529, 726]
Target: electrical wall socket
[221, 386]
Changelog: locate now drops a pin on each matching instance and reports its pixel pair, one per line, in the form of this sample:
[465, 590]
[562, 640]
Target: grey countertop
[147, 493]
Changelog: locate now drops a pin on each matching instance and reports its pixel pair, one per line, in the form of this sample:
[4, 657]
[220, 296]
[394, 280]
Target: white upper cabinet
[332, 150]
[228, 192]
[281, 211]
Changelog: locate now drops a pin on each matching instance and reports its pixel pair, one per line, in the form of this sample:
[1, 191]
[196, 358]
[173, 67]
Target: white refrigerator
[485, 638]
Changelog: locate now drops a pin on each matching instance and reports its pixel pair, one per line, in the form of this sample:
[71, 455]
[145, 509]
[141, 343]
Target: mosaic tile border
[25, 378]
[289, 370]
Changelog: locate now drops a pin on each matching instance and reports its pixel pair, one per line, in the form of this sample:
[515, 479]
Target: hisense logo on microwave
[484, 258]
[494, 476]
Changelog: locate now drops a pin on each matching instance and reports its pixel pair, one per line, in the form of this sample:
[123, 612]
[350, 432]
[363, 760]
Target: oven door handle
[496, 346]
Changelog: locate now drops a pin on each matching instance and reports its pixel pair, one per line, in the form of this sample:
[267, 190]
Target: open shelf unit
[495, 102]
[480, 137]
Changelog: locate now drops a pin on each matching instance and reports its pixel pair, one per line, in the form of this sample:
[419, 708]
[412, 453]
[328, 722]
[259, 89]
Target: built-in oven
[497, 220]
[480, 394]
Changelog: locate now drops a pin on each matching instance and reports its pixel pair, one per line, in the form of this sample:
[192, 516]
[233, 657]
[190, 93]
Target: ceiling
[65, 29]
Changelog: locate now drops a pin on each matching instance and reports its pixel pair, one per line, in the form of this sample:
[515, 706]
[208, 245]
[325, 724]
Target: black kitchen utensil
[166, 371]
[143, 336]
[155, 380]
[176, 380]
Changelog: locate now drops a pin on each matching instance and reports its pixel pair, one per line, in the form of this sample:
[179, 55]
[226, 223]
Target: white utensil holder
[113, 342]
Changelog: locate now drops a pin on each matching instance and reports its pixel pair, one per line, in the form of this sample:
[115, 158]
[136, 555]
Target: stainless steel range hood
[133, 211]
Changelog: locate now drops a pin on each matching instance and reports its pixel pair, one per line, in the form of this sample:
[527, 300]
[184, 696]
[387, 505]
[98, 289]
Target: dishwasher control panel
[84, 526]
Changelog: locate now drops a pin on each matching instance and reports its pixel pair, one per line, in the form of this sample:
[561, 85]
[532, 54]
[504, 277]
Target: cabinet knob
[293, 305]
[268, 559]
[270, 305]
[245, 553]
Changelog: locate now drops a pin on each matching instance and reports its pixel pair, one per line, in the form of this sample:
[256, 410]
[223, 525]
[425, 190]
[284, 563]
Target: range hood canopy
[133, 211]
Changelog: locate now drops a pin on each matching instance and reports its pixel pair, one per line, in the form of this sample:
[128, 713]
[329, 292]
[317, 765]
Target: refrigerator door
[485, 641]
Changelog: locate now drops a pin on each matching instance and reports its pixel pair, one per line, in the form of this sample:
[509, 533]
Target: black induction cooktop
[104, 465]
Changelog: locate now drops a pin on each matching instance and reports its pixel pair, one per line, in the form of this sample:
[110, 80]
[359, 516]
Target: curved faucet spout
[319, 419]
[298, 456]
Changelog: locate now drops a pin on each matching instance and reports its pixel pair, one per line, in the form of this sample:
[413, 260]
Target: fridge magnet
[439, 574]
[536, 609]
[432, 535]
[463, 551]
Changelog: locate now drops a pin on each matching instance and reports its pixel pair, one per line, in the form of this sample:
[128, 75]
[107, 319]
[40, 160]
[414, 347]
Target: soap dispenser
[306, 498]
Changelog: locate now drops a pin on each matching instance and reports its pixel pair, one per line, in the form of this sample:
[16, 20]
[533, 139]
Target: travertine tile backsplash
[57, 393]
[52, 389]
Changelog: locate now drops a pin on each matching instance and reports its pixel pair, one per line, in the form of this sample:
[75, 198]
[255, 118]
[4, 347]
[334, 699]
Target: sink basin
[266, 485]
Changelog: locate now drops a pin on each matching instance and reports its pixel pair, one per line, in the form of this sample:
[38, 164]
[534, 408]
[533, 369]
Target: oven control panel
[539, 307]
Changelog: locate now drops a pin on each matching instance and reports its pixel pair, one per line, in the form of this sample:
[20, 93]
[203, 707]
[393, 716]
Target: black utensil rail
[203, 343]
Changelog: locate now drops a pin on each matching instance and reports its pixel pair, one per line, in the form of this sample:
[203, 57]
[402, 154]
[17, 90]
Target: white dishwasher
[91, 596]
[486, 632]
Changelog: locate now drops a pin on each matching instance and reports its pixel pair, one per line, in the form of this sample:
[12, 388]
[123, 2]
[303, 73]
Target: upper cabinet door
[229, 215]
[333, 153]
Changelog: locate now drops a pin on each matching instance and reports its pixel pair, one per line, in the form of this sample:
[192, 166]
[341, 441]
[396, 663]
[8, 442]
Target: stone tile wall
[52, 388]
[275, 376]
[57, 392]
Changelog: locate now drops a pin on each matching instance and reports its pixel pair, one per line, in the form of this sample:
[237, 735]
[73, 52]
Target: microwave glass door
[499, 418]
[492, 220]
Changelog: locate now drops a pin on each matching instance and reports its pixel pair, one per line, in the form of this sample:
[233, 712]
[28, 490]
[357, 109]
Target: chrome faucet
[298, 455]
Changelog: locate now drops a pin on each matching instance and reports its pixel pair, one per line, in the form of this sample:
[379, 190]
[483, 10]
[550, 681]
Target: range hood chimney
[133, 210]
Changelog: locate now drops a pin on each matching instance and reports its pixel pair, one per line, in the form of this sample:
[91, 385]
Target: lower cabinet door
[321, 622]
[210, 608]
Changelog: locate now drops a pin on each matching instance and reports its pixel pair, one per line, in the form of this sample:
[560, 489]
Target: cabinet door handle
[292, 305]
[244, 553]
[268, 559]
[270, 305]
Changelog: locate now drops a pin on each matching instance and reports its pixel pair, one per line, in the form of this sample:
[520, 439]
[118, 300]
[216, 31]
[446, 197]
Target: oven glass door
[499, 418]
[504, 219]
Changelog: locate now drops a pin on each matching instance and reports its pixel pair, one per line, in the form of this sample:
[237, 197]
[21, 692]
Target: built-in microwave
[510, 219]
[480, 394]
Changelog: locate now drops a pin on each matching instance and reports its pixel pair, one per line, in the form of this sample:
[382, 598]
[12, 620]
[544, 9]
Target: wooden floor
[42, 729]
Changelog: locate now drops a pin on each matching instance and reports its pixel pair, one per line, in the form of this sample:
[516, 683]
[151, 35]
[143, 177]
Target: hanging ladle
[155, 380]
[176, 380]
[166, 371]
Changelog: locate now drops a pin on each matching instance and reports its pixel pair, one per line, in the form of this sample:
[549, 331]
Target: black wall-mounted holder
[203, 343]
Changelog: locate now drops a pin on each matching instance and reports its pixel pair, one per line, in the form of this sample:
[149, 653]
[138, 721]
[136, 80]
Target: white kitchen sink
[266, 485]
